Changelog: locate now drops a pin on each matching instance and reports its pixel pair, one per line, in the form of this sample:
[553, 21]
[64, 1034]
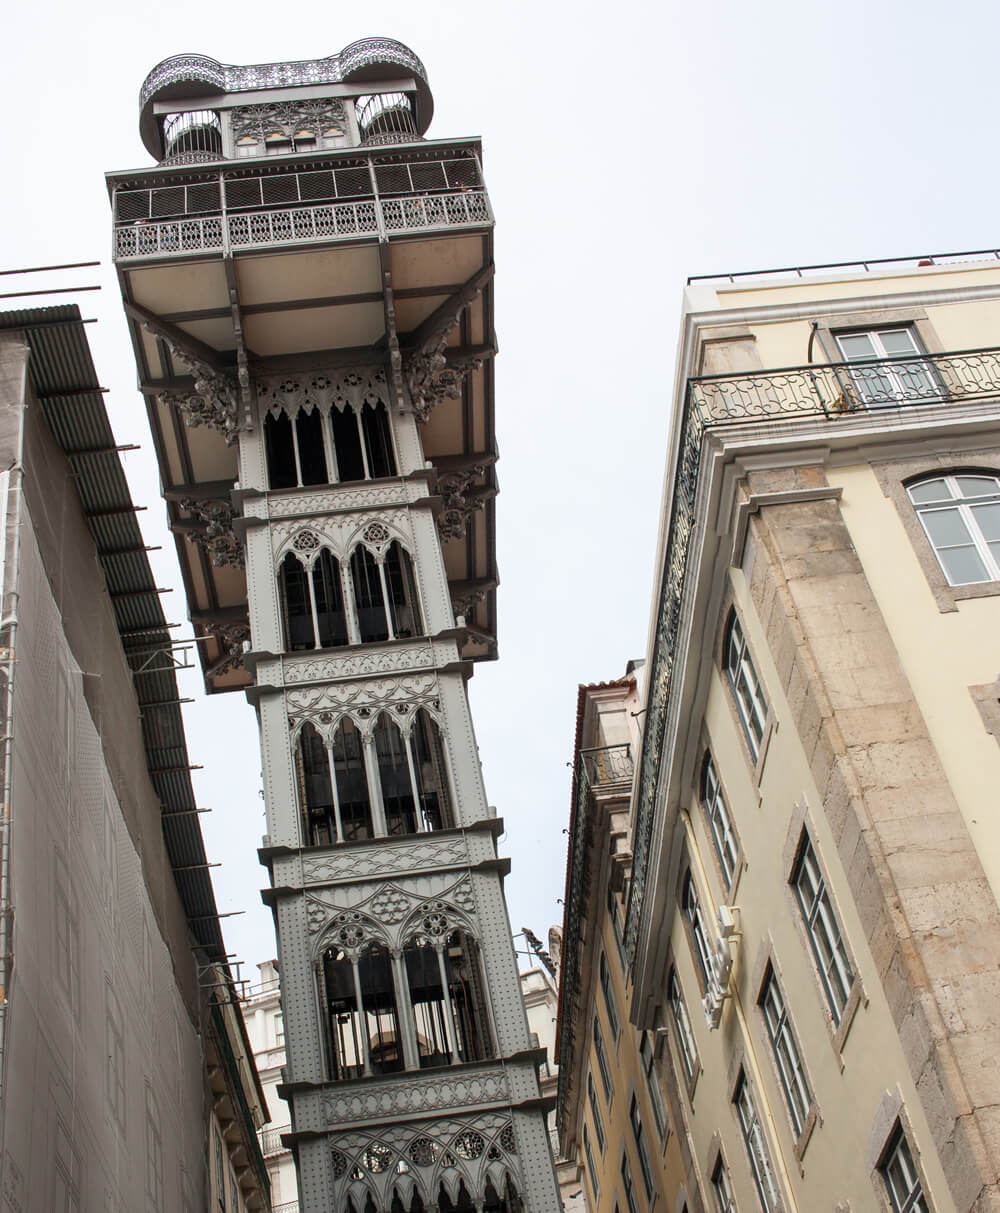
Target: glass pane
[898, 342]
[929, 490]
[963, 566]
[856, 345]
[988, 520]
[945, 527]
[977, 486]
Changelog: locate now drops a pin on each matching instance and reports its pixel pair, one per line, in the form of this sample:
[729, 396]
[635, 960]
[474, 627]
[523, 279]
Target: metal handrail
[920, 261]
[602, 766]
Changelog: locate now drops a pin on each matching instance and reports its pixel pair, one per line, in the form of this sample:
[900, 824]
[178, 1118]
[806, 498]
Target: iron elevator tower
[308, 286]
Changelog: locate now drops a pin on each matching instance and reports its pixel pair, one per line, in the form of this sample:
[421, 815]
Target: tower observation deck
[308, 287]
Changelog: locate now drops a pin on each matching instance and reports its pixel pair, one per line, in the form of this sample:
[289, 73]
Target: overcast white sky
[626, 146]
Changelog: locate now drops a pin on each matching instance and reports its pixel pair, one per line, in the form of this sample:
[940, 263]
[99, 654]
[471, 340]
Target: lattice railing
[270, 1139]
[606, 766]
[838, 391]
[350, 198]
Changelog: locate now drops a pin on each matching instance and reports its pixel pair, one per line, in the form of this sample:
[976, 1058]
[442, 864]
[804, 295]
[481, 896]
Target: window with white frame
[699, 936]
[595, 1111]
[900, 1175]
[591, 1166]
[722, 1188]
[786, 1052]
[642, 1152]
[748, 693]
[609, 997]
[823, 929]
[602, 1061]
[685, 1037]
[895, 372]
[719, 821]
[757, 1151]
[647, 1055]
[960, 515]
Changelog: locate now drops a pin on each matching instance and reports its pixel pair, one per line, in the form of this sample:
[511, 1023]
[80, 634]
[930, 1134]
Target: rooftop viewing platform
[342, 196]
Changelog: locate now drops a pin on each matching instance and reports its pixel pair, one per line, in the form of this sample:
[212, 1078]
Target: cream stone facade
[812, 915]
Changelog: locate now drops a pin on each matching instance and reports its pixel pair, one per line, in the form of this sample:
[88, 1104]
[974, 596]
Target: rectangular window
[609, 997]
[615, 914]
[279, 1031]
[753, 1137]
[751, 703]
[628, 1185]
[895, 373]
[685, 1039]
[699, 936]
[635, 1120]
[595, 1111]
[786, 1052]
[900, 1175]
[647, 1056]
[719, 821]
[823, 929]
[602, 1062]
[722, 1188]
[591, 1166]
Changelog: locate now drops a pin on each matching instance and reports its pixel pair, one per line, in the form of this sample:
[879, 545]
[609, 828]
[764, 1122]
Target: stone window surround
[736, 1073]
[895, 475]
[800, 826]
[739, 866]
[727, 610]
[715, 1157]
[689, 1084]
[890, 1115]
[765, 964]
[687, 874]
[652, 1075]
[987, 699]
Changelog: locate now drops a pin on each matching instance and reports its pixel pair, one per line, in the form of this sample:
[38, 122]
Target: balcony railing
[607, 766]
[839, 392]
[234, 208]
[270, 1139]
[846, 387]
[290, 1206]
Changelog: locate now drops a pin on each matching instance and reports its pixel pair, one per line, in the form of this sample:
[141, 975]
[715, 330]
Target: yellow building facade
[812, 914]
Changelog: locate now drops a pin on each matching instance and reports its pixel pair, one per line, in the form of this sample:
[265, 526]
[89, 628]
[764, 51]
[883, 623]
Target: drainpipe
[8, 635]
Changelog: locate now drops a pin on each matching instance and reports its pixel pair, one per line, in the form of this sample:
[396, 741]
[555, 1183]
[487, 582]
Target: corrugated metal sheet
[65, 381]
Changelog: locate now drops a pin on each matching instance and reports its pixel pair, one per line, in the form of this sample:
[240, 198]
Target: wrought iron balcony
[270, 1139]
[290, 1206]
[836, 388]
[336, 198]
[606, 766]
[838, 392]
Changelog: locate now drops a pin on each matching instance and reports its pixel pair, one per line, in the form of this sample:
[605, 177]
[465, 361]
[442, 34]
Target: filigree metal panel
[377, 1100]
[361, 863]
[230, 78]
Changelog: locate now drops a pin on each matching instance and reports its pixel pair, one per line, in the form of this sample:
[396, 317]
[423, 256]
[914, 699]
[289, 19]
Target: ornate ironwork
[382, 193]
[458, 491]
[232, 638]
[837, 391]
[607, 766]
[215, 400]
[214, 534]
[229, 78]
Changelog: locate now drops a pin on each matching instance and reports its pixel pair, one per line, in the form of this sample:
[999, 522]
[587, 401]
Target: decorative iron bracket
[213, 531]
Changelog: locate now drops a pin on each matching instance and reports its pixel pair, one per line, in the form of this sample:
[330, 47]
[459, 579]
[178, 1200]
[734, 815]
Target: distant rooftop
[920, 261]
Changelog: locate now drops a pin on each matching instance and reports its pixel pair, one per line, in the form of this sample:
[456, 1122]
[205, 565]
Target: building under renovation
[127, 1079]
[308, 286]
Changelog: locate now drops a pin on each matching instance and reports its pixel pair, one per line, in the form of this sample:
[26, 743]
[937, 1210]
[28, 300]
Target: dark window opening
[465, 1006]
[280, 450]
[297, 604]
[402, 587]
[368, 596]
[378, 440]
[432, 781]
[462, 1205]
[312, 457]
[315, 793]
[330, 614]
[347, 444]
[371, 1031]
[394, 776]
[352, 782]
